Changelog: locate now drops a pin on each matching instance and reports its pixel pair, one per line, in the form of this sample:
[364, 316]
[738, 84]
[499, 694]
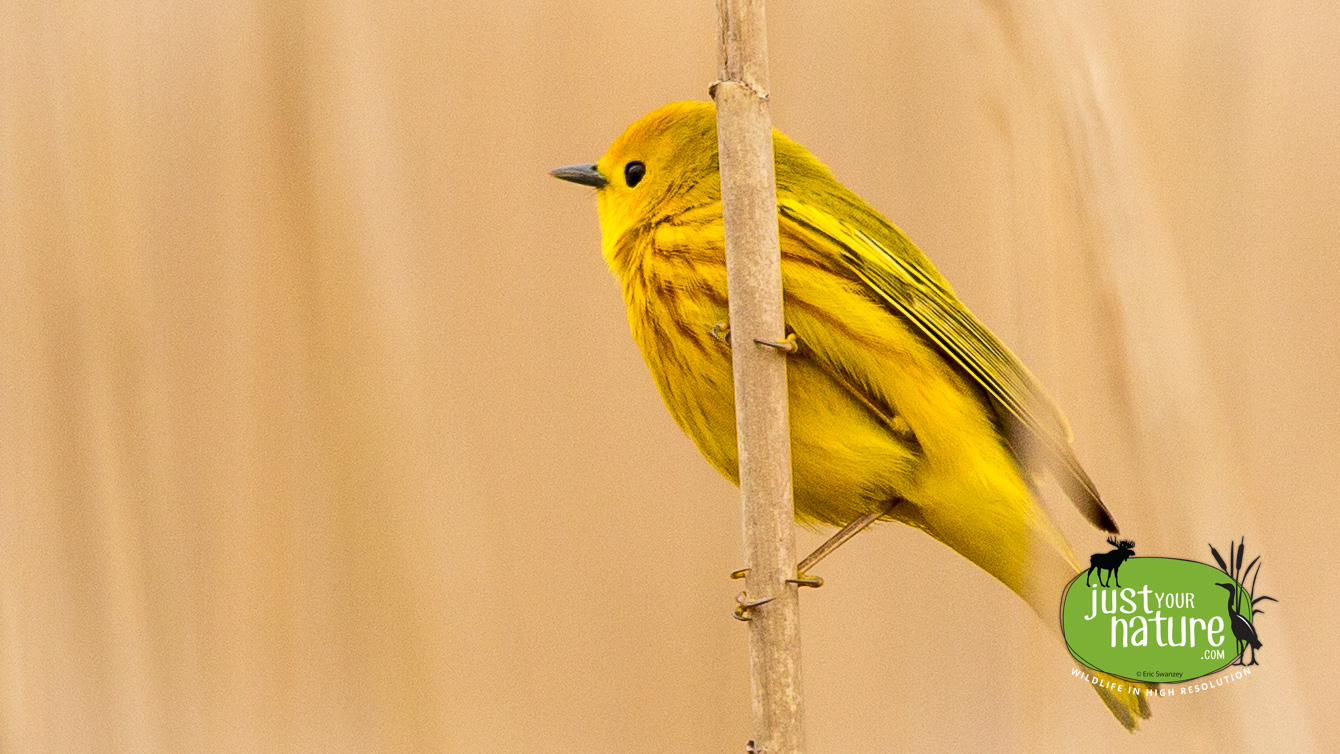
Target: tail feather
[1129, 705]
[1021, 547]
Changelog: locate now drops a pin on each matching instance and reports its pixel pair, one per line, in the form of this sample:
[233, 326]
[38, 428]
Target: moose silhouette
[1110, 561]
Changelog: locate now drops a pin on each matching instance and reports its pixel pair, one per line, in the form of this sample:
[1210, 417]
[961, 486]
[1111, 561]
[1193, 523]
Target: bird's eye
[633, 172]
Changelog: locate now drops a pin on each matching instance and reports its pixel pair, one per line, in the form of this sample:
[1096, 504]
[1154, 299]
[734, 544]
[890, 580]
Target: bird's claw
[745, 605]
[789, 344]
[801, 579]
[721, 332]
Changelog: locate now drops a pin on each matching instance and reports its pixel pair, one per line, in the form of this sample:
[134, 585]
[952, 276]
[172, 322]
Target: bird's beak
[587, 175]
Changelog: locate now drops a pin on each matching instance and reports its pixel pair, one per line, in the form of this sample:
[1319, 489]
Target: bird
[903, 406]
[1243, 630]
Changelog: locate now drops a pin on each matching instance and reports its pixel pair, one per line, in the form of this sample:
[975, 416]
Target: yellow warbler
[896, 391]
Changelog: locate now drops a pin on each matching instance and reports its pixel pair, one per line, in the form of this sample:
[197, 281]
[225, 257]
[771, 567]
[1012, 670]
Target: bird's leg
[824, 550]
[836, 541]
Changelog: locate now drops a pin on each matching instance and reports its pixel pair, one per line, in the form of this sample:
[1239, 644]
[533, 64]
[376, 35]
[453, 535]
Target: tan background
[321, 429]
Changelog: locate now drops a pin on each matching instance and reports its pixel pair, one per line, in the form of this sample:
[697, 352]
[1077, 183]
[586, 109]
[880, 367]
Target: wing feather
[886, 261]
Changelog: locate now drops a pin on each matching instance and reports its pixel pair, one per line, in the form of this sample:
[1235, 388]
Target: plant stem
[753, 265]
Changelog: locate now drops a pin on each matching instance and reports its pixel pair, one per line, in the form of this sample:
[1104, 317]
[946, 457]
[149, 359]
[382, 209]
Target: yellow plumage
[896, 392]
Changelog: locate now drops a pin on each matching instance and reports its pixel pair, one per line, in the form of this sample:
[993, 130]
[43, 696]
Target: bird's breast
[675, 302]
[847, 453]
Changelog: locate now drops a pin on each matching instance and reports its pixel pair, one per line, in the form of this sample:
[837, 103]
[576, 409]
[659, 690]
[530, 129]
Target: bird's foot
[743, 605]
[742, 602]
[721, 333]
[804, 579]
[789, 344]
[801, 579]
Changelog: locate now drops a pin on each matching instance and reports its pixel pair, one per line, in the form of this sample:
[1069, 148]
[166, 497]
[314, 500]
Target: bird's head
[662, 164]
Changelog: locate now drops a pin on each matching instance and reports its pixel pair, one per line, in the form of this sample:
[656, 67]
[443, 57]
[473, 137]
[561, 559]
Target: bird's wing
[901, 276]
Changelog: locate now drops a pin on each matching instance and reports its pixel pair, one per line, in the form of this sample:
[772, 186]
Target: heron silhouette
[1243, 630]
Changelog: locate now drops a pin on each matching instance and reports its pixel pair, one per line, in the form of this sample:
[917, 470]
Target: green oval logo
[1157, 620]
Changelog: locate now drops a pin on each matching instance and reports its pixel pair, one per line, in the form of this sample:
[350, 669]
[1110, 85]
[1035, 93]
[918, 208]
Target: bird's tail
[1012, 539]
[1126, 699]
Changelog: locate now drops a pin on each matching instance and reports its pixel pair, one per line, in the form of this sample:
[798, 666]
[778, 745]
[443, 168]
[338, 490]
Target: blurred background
[321, 428]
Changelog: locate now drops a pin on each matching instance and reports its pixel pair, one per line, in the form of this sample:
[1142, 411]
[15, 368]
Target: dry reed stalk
[753, 265]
